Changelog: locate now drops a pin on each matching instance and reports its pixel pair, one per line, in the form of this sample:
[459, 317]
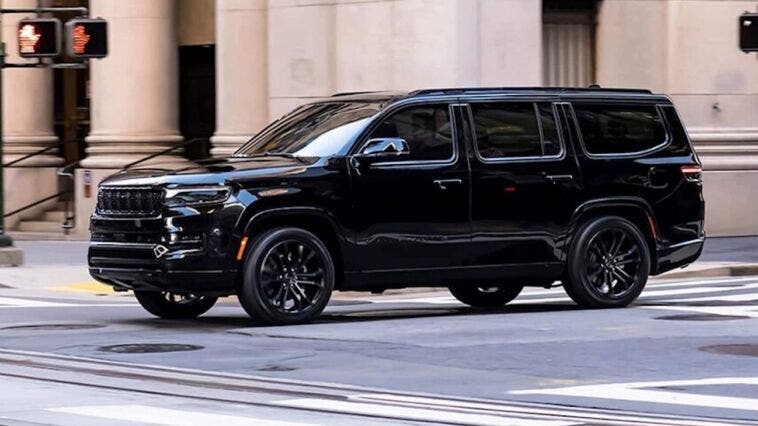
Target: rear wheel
[608, 265]
[486, 296]
[288, 277]
[168, 305]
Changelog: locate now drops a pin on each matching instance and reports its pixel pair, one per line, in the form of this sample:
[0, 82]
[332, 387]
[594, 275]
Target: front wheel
[486, 296]
[168, 305]
[288, 277]
[608, 265]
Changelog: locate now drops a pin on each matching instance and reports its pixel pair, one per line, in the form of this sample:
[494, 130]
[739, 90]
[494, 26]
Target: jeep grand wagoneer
[483, 191]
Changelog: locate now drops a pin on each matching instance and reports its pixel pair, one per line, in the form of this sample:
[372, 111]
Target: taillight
[692, 173]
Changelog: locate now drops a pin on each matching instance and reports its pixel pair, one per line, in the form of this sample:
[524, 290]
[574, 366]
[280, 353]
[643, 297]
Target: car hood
[212, 171]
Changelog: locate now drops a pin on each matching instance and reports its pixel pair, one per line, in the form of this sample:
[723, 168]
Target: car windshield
[316, 130]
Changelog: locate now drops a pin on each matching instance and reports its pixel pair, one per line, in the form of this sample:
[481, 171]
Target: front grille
[129, 201]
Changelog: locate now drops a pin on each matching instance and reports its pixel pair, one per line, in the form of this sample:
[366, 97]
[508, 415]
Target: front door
[411, 212]
[525, 185]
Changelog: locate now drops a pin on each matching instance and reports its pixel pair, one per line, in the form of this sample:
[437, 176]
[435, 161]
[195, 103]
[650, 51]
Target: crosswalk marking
[650, 392]
[669, 292]
[165, 416]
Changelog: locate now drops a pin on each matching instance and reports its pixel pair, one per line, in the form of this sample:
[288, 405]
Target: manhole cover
[148, 348]
[742, 349]
[701, 317]
[53, 327]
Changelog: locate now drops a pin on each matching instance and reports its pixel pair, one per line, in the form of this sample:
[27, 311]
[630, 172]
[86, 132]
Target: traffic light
[87, 38]
[749, 32]
[39, 38]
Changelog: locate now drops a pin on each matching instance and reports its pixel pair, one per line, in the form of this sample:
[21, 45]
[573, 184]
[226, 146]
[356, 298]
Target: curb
[738, 270]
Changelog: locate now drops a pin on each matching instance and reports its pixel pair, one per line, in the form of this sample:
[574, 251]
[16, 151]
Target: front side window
[619, 129]
[510, 130]
[427, 129]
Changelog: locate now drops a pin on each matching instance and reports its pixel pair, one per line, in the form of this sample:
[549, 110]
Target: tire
[608, 264]
[172, 306]
[486, 296]
[288, 277]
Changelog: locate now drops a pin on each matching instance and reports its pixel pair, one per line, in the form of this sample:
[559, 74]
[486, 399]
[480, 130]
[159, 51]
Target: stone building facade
[272, 55]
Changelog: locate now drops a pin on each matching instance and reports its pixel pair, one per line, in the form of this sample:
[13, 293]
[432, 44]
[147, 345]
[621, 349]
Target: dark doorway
[197, 98]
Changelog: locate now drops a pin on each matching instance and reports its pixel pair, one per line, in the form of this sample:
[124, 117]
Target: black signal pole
[5, 239]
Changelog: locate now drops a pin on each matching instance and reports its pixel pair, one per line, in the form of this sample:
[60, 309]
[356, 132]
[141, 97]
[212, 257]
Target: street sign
[39, 38]
[87, 38]
[749, 32]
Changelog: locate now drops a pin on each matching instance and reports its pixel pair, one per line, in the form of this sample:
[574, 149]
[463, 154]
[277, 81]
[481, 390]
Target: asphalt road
[685, 354]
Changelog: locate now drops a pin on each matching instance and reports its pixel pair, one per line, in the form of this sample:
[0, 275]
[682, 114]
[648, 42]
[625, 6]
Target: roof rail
[460, 90]
[362, 92]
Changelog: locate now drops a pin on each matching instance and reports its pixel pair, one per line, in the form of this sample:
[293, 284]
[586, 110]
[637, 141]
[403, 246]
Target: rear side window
[619, 129]
[427, 130]
[508, 130]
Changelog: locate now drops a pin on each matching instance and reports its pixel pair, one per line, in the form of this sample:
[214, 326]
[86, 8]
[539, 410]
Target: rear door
[525, 184]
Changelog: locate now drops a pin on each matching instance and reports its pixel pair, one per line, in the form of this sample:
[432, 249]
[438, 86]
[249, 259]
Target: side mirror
[385, 147]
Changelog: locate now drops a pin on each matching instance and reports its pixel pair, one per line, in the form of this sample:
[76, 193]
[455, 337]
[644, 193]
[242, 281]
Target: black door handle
[559, 178]
[443, 183]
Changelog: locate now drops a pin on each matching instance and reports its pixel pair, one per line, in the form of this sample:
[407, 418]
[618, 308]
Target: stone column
[27, 100]
[134, 105]
[241, 73]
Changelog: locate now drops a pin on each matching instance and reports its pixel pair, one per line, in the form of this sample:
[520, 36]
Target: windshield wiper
[277, 154]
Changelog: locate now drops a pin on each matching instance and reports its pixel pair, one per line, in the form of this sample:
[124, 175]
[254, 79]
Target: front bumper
[179, 268]
[213, 282]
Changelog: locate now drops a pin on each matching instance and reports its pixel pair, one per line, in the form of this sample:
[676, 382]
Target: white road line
[13, 302]
[418, 414]
[28, 303]
[165, 416]
[737, 310]
[641, 392]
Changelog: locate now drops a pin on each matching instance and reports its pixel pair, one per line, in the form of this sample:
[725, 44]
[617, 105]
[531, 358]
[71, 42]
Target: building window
[568, 38]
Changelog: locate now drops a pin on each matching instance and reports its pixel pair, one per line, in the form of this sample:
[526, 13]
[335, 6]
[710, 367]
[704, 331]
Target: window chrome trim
[502, 160]
[666, 142]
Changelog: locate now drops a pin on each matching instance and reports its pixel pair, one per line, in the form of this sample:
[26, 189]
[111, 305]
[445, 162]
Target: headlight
[196, 196]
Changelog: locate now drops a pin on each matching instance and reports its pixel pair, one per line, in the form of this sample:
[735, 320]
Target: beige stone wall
[689, 50]
[319, 47]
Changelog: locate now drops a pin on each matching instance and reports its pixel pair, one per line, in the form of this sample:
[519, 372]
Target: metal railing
[67, 172]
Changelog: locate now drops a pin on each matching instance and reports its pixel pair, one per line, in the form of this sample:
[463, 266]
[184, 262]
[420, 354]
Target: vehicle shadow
[346, 313]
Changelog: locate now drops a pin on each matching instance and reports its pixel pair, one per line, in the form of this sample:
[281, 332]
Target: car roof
[592, 92]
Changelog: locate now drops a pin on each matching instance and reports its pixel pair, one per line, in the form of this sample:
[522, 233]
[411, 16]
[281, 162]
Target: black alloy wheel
[486, 296]
[169, 305]
[609, 264]
[289, 277]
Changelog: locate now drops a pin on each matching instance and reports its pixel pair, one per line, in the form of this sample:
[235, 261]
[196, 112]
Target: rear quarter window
[610, 129]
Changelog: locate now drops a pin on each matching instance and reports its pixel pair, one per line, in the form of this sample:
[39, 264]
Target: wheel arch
[633, 209]
[318, 221]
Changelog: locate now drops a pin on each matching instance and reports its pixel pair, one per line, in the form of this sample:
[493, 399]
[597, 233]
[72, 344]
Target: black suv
[483, 191]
